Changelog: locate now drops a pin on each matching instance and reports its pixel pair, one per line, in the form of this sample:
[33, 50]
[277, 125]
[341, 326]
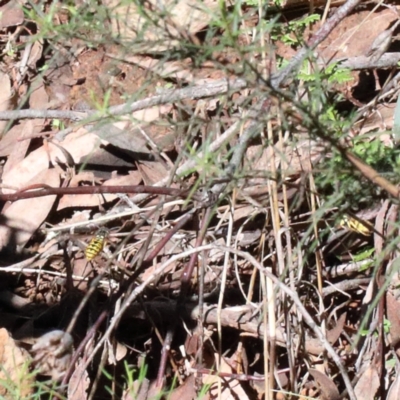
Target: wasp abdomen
[96, 245]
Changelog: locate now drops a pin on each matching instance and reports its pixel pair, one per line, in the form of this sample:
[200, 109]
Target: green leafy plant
[338, 175]
[292, 33]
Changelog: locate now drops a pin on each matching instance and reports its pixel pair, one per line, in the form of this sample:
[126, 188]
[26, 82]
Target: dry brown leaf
[30, 128]
[94, 200]
[165, 69]
[23, 217]
[20, 147]
[329, 391]
[355, 34]
[9, 140]
[152, 172]
[53, 352]
[39, 99]
[14, 363]
[189, 16]
[35, 55]
[314, 345]
[6, 94]
[293, 160]
[80, 145]
[119, 135]
[116, 352]
[394, 390]
[392, 309]
[333, 334]
[11, 14]
[381, 117]
[368, 384]
[185, 391]
[152, 113]
[231, 388]
[138, 391]
[79, 383]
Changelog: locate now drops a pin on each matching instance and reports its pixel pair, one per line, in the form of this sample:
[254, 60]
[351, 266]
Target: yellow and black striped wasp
[357, 225]
[96, 244]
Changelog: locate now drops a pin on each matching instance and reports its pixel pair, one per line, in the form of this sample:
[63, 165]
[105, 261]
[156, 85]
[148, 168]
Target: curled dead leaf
[52, 353]
[14, 362]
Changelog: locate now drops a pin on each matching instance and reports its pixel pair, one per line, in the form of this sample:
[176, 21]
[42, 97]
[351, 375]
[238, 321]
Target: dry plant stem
[268, 290]
[43, 190]
[185, 219]
[362, 62]
[222, 289]
[289, 263]
[172, 327]
[99, 371]
[185, 283]
[345, 286]
[307, 317]
[82, 345]
[280, 77]
[92, 288]
[189, 267]
[164, 355]
[139, 257]
[254, 128]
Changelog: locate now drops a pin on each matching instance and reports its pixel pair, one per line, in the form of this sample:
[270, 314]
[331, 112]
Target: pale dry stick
[222, 291]
[92, 288]
[218, 87]
[79, 278]
[13, 268]
[344, 286]
[154, 147]
[269, 296]
[363, 62]
[293, 295]
[289, 253]
[326, 11]
[347, 40]
[110, 217]
[319, 257]
[249, 295]
[382, 43]
[269, 293]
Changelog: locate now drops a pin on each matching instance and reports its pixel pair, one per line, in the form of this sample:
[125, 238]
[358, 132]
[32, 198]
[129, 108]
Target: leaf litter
[242, 278]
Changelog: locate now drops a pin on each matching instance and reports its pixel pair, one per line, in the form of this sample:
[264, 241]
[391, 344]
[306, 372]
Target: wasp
[96, 245]
[360, 226]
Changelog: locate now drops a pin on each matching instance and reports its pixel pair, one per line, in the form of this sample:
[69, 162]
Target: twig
[194, 92]
[33, 192]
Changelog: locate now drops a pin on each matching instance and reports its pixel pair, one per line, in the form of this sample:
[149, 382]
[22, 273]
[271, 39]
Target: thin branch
[218, 87]
[31, 192]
